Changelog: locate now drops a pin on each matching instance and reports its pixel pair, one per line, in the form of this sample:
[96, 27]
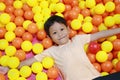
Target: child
[69, 55]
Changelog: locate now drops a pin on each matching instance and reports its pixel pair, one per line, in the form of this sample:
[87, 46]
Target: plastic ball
[112, 38]
[109, 21]
[20, 54]
[13, 62]
[41, 34]
[116, 44]
[102, 27]
[44, 4]
[21, 78]
[2, 6]
[91, 57]
[26, 23]
[117, 18]
[90, 3]
[2, 76]
[9, 36]
[17, 42]
[117, 66]
[47, 42]
[17, 4]
[10, 50]
[28, 15]
[18, 12]
[75, 24]
[13, 74]
[110, 6]
[32, 28]
[38, 17]
[105, 44]
[19, 31]
[40, 25]
[87, 27]
[41, 76]
[106, 66]
[10, 26]
[4, 60]
[25, 71]
[82, 4]
[47, 62]
[97, 66]
[19, 20]
[2, 32]
[3, 44]
[52, 73]
[87, 19]
[5, 18]
[32, 3]
[101, 56]
[54, 1]
[97, 20]
[26, 46]
[36, 9]
[27, 36]
[60, 7]
[118, 55]
[36, 67]
[99, 9]
[104, 73]
[94, 47]
[37, 48]
[114, 62]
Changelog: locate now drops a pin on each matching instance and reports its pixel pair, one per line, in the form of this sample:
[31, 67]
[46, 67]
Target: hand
[3, 70]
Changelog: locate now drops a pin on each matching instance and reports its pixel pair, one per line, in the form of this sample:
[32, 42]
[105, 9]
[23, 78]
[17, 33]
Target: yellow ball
[26, 23]
[118, 55]
[32, 3]
[54, 1]
[25, 71]
[10, 26]
[18, 4]
[109, 21]
[47, 62]
[3, 44]
[101, 56]
[46, 11]
[37, 67]
[52, 7]
[21, 78]
[99, 9]
[37, 48]
[117, 18]
[86, 47]
[13, 62]
[104, 73]
[10, 50]
[40, 25]
[112, 38]
[88, 19]
[60, 7]
[60, 14]
[2, 6]
[90, 3]
[105, 44]
[36, 9]
[26, 46]
[80, 17]
[102, 27]
[9, 36]
[114, 61]
[41, 76]
[110, 6]
[38, 17]
[4, 60]
[5, 18]
[13, 74]
[44, 4]
[75, 24]
[82, 4]
[87, 27]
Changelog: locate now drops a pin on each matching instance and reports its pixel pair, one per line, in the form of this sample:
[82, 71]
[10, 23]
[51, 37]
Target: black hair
[51, 20]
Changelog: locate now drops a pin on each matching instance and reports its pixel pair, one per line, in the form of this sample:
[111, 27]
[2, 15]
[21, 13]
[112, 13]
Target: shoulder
[81, 36]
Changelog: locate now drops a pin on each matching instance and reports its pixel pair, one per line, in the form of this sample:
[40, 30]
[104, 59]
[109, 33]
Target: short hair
[51, 20]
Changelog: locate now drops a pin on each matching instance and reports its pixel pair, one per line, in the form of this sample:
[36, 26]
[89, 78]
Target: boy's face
[59, 33]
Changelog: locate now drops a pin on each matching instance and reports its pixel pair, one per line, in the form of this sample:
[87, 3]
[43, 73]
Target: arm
[3, 70]
[27, 62]
[104, 33]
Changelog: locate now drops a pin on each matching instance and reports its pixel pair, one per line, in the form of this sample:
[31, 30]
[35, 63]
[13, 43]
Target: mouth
[62, 37]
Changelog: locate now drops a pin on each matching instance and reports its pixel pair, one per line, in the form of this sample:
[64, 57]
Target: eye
[62, 29]
[54, 32]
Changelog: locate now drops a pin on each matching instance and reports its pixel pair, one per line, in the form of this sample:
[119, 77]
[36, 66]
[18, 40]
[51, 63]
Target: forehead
[56, 25]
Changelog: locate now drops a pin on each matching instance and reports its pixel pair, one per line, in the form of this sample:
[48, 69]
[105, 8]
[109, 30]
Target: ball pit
[21, 25]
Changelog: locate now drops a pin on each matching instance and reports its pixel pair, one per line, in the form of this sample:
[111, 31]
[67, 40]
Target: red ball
[93, 47]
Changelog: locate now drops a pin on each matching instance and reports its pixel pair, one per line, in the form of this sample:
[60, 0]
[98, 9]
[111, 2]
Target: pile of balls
[22, 34]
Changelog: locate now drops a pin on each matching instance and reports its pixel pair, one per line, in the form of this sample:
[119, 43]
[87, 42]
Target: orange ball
[1, 53]
[19, 31]
[9, 2]
[91, 57]
[117, 9]
[28, 14]
[116, 44]
[12, 16]
[85, 12]
[20, 54]
[2, 32]
[27, 36]
[97, 66]
[19, 20]
[41, 34]
[47, 42]
[17, 42]
[18, 12]
[72, 14]
[97, 20]
[52, 73]
[118, 66]
[9, 9]
[32, 28]
[107, 66]
[2, 76]
[26, 7]
[72, 33]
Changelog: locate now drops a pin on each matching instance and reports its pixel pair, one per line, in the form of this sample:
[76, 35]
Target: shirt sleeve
[45, 53]
[82, 39]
